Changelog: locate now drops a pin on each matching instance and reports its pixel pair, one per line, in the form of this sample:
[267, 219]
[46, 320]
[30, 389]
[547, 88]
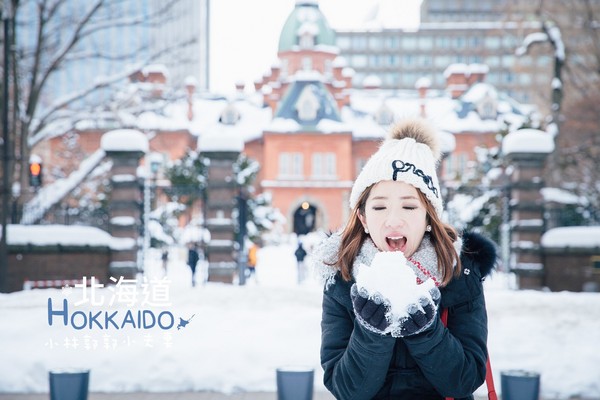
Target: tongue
[396, 244]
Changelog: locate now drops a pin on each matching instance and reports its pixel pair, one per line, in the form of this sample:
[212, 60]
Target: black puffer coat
[440, 362]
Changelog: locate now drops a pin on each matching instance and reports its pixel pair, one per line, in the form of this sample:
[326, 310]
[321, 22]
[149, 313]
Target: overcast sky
[245, 34]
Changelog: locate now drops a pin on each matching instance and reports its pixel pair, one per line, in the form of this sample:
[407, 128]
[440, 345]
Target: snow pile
[239, 336]
[65, 235]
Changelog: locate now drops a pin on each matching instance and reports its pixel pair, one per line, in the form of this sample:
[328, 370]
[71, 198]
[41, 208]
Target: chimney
[156, 74]
[456, 79]
[422, 85]
[190, 87]
[477, 73]
[239, 86]
[275, 71]
[258, 84]
[372, 82]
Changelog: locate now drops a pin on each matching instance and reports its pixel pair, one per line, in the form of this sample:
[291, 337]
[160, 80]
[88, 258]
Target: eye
[410, 207]
[378, 208]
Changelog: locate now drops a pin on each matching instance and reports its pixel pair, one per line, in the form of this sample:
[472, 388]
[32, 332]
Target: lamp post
[152, 165]
[6, 20]
[242, 201]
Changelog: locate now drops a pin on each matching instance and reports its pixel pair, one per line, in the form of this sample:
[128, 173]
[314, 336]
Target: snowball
[391, 276]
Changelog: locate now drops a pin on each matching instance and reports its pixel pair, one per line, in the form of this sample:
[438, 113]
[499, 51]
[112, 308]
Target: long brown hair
[442, 238]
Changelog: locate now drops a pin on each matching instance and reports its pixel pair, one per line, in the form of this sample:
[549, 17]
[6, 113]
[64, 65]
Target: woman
[388, 275]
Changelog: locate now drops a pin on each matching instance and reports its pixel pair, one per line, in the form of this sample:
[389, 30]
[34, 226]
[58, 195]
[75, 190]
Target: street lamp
[242, 203]
[153, 163]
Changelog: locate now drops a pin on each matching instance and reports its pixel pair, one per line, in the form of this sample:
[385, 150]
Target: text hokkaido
[139, 319]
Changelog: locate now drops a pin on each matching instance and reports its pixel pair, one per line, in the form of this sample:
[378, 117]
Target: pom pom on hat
[410, 154]
[420, 131]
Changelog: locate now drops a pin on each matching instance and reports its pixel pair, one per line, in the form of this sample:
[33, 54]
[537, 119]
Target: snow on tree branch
[49, 195]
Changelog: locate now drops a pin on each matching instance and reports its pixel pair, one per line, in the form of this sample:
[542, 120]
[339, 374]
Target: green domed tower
[306, 27]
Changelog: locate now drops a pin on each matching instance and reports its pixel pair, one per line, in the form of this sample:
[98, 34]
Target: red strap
[489, 378]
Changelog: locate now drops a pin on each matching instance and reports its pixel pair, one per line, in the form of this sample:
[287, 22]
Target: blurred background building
[468, 31]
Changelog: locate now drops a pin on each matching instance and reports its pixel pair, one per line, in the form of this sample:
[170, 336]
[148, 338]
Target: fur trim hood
[480, 251]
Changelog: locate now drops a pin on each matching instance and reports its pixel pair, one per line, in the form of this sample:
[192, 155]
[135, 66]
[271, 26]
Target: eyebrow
[409, 197]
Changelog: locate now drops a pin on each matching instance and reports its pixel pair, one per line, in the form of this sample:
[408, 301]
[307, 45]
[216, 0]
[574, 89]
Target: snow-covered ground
[240, 335]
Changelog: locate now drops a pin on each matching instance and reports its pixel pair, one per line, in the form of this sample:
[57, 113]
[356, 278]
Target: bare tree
[572, 27]
[50, 37]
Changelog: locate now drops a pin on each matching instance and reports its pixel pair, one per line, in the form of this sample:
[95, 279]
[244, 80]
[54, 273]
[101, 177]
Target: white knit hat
[410, 154]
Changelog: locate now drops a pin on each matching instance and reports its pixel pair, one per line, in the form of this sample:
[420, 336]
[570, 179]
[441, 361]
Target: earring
[366, 231]
[428, 228]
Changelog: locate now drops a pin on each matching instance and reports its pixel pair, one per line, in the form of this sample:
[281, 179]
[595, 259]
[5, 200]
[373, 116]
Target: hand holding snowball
[388, 300]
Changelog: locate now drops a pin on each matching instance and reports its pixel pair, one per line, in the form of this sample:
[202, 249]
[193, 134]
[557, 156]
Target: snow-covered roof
[124, 140]
[561, 196]
[223, 138]
[360, 117]
[65, 235]
[572, 236]
[528, 141]
[424, 82]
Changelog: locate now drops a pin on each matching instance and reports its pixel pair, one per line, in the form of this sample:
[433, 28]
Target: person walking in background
[390, 272]
[193, 258]
[165, 259]
[300, 254]
[252, 259]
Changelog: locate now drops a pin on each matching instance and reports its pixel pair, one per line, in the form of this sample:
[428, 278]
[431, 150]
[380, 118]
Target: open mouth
[396, 243]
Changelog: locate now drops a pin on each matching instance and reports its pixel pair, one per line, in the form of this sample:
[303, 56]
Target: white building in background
[110, 51]
[190, 18]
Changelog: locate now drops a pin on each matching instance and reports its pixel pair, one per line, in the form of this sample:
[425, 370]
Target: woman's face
[395, 217]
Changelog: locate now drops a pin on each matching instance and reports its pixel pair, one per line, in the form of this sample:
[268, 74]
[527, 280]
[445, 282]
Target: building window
[374, 61]
[492, 61]
[290, 166]
[543, 61]
[359, 42]
[328, 69]
[343, 42]
[492, 42]
[524, 79]
[459, 42]
[409, 43]
[392, 42]
[307, 105]
[442, 61]
[509, 77]
[455, 166]
[307, 63]
[324, 166]
[374, 43]
[359, 61]
[360, 163]
[426, 43]
[442, 41]
[307, 40]
[508, 61]
[424, 60]
[475, 42]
